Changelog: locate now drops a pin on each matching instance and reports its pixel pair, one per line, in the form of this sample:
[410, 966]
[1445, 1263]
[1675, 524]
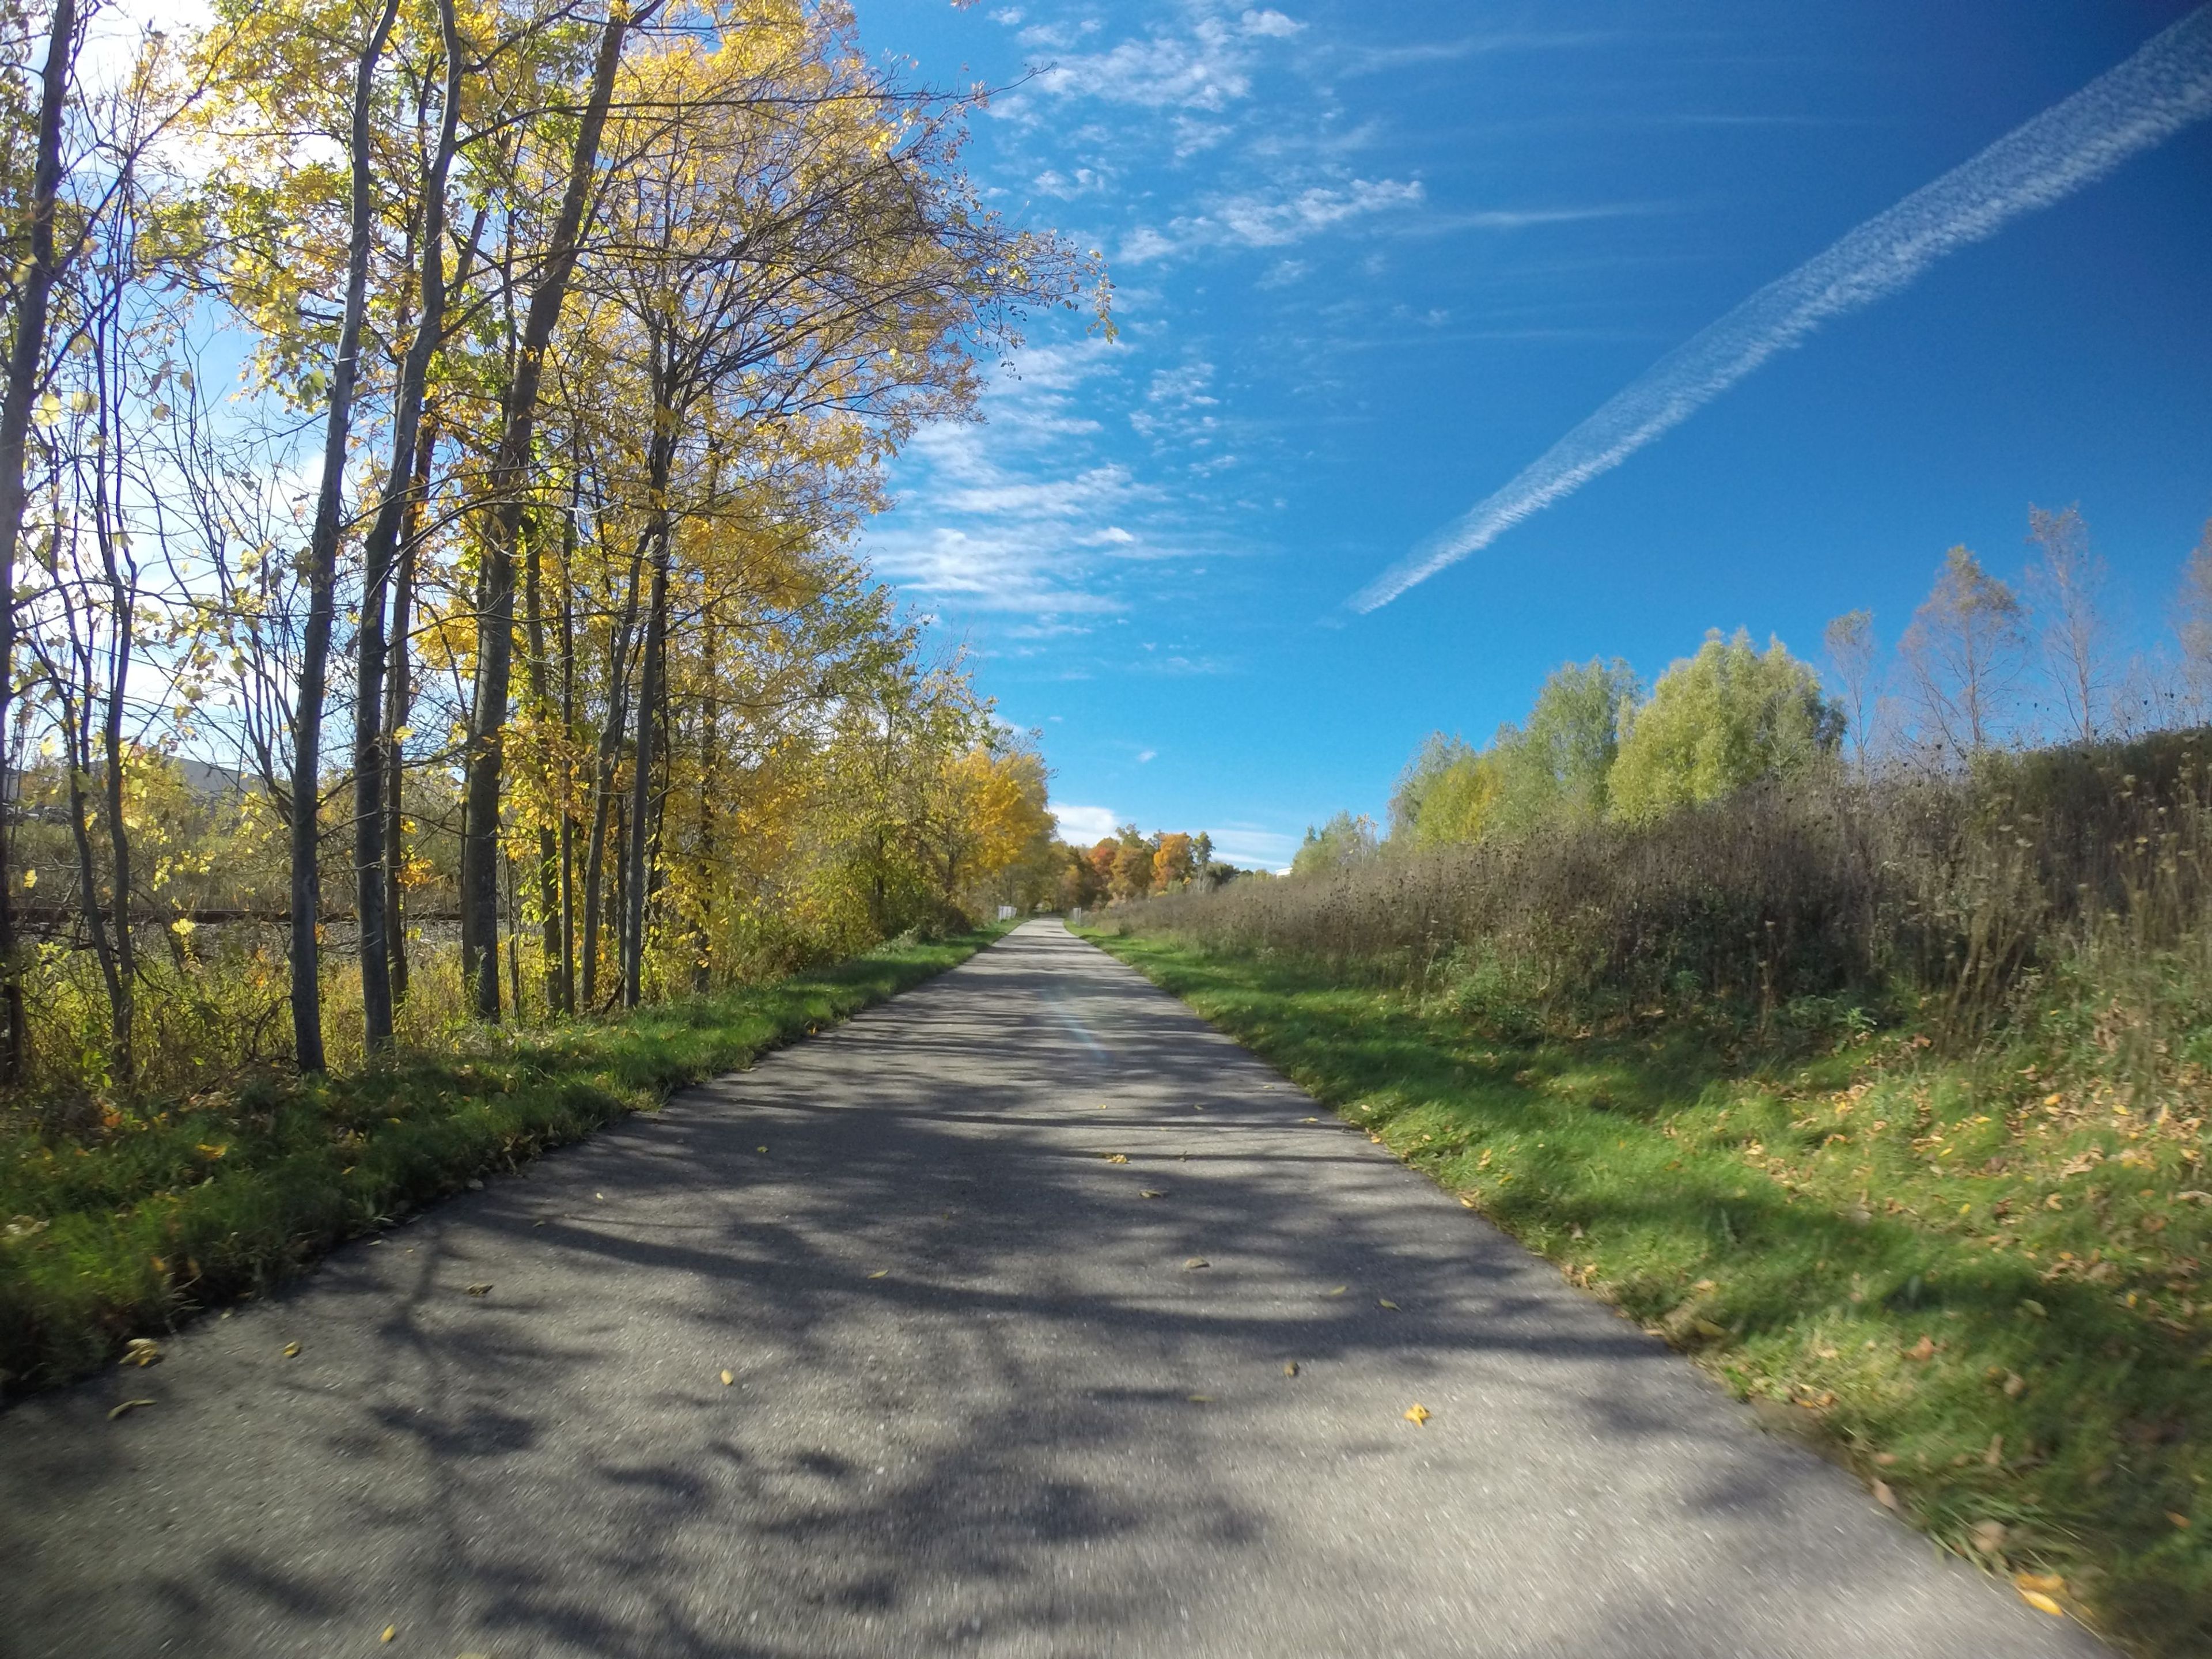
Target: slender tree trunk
[399, 700]
[652, 674]
[322, 577]
[602, 777]
[709, 755]
[122, 584]
[510, 465]
[26, 356]
[541, 709]
[370, 754]
[618, 899]
[567, 770]
[652, 679]
[124, 984]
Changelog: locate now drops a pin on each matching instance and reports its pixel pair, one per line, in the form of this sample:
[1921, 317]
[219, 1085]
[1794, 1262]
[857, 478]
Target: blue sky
[1372, 261]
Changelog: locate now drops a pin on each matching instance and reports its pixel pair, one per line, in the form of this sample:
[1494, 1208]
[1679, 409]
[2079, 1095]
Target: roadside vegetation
[1875, 1077]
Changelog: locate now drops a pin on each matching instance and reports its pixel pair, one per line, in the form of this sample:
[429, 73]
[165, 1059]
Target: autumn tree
[2066, 578]
[2192, 625]
[1854, 653]
[1730, 717]
[1962, 657]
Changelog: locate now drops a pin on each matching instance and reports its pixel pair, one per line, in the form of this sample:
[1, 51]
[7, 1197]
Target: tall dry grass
[1836, 896]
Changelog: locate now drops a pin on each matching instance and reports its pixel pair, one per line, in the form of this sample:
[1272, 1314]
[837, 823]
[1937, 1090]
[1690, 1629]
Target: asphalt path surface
[993, 1390]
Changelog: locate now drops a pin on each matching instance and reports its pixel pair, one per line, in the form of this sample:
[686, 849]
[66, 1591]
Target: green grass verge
[1972, 1281]
[170, 1211]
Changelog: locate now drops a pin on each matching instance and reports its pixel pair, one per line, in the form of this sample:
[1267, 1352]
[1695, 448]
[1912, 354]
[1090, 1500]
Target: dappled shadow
[882, 1346]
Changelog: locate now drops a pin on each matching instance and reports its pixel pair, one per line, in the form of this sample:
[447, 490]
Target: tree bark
[510, 464]
[652, 677]
[26, 372]
[399, 700]
[541, 710]
[322, 578]
[603, 777]
[370, 755]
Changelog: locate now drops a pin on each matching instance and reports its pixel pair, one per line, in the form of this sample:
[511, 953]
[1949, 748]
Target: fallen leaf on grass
[291, 1350]
[143, 1350]
[2041, 1584]
[127, 1405]
[2028, 1304]
[728, 1378]
[2042, 1603]
[2014, 1386]
[1988, 1536]
[2177, 1518]
[1921, 1350]
[1994, 1455]
[1194, 1263]
[1418, 1415]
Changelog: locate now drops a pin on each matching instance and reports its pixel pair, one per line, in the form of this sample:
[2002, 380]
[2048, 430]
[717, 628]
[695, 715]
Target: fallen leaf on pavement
[880, 1272]
[291, 1350]
[1116, 1158]
[479, 1289]
[1195, 1263]
[127, 1405]
[1884, 1495]
[390, 1631]
[1291, 1368]
[1147, 1191]
[2042, 1603]
[760, 1148]
[1385, 1302]
[1417, 1415]
[728, 1378]
[1338, 1291]
[143, 1350]
[2041, 1584]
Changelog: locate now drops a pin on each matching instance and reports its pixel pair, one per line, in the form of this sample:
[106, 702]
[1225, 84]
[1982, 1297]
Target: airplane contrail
[2134, 107]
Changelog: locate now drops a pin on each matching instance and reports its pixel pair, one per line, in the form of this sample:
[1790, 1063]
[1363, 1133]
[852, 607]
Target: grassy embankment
[1973, 1279]
[168, 1209]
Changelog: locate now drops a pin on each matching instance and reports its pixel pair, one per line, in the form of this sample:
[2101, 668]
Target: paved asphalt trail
[984, 1401]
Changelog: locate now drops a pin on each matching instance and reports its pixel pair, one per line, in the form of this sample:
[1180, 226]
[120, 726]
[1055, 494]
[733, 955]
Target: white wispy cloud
[1257, 220]
[2164, 88]
[1372, 60]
